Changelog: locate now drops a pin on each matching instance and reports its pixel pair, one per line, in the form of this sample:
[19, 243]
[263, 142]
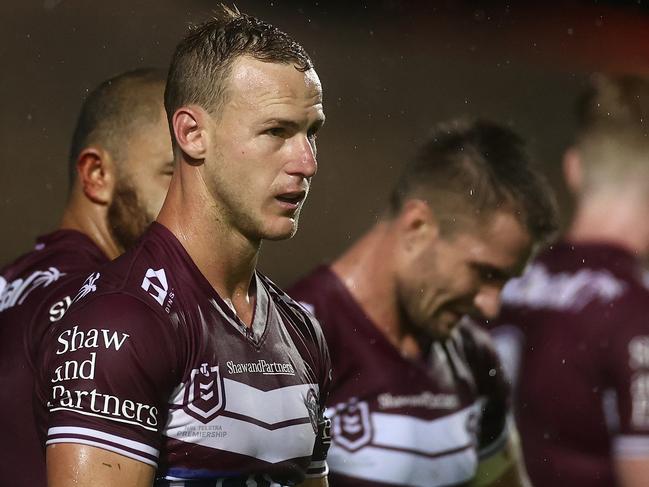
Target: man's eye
[276, 131]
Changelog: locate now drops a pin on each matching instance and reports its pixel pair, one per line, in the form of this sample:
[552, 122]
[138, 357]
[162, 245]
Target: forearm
[74, 465]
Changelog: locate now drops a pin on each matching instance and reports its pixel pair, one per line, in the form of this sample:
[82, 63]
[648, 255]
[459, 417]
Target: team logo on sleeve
[88, 286]
[204, 398]
[155, 283]
[351, 426]
[311, 403]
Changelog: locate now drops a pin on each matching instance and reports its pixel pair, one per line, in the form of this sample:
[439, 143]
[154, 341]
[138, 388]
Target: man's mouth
[291, 199]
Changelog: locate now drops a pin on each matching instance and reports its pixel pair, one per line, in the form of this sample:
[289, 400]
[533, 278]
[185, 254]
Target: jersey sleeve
[318, 466]
[627, 366]
[493, 389]
[108, 370]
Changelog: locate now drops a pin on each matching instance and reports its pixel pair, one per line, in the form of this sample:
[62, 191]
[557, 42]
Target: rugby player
[179, 356]
[120, 167]
[418, 397]
[575, 327]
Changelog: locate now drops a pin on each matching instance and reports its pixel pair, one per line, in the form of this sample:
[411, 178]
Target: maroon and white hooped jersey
[35, 291]
[574, 335]
[149, 362]
[400, 422]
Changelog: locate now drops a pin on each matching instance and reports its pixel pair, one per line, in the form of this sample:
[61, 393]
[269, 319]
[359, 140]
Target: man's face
[142, 181]
[462, 274]
[263, 150]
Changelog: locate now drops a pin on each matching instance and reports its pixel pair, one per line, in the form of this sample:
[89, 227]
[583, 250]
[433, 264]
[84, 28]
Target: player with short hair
[120, 168]
[417, 396]
[575, 327]
[179, 363]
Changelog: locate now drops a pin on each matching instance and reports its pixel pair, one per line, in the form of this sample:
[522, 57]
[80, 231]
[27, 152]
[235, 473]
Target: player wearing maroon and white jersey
[153, 364]
[119, 174]
[179, 356]
[574, 330]
[416, 398]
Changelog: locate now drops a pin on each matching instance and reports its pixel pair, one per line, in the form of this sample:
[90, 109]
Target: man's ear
[417, 224]
[573, 170]
[96, 175]
[189, 123]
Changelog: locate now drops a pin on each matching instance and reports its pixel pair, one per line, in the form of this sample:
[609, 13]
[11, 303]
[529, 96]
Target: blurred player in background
[120, 169]
[575, 328]
[418, 397]
[178, 362]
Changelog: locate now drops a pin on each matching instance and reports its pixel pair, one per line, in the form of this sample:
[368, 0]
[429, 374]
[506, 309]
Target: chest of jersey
[404, 423]
[249, 399]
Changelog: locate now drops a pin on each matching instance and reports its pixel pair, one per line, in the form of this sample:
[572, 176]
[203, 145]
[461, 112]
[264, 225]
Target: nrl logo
[351, 425]
[87, 287]
[204, 398]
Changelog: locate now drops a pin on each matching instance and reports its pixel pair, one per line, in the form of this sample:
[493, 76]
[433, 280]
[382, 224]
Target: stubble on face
[256, 155]
[128, 219]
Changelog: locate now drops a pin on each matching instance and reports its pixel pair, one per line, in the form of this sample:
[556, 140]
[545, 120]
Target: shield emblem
[351, 425]
[204, 398]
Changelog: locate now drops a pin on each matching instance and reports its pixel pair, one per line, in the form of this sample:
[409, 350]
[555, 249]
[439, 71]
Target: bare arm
[504, 468]
[321, 482]
[632, 472]
[75, 465]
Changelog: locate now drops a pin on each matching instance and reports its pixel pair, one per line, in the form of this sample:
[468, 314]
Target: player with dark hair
[574, 329]
[120, 168]
[179, 363]
[417, 396]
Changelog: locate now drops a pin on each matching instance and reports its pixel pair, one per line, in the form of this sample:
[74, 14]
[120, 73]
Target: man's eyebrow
[292, 124]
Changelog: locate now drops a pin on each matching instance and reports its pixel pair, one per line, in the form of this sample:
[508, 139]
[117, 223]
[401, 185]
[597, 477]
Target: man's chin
[282, 230]
[442, 328]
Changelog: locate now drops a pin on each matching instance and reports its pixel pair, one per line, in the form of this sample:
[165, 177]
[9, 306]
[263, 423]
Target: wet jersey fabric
[399, 422]
[574, 335]
[34, 292]
[149, 362]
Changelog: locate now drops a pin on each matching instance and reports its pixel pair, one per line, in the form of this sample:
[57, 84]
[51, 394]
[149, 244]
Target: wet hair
[203, 60]
[467, 170]
[112, 111]
[613, 131]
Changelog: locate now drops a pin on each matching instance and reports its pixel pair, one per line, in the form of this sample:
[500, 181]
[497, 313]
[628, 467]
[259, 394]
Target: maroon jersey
[574, 330]
[395, 421]
[33, 294]
[149, 362]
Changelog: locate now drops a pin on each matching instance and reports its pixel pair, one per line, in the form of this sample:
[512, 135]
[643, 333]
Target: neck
[616, 220]
[225, 257]
[91, 219]
[366, 270]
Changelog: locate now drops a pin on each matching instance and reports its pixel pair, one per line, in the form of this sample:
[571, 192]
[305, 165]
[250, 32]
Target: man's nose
[488, 301]
[303, 157]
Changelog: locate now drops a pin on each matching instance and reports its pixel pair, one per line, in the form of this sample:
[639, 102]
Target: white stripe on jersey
[73, 430]
[424, 436]
[630, 446]
[402, 468]
[104, 446]
[274, 406]
[103, 416]
[405, 450]
[271, 407]
[246, 438]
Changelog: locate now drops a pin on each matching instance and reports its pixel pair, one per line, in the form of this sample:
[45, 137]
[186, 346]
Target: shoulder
[314, 289]
[296, 311]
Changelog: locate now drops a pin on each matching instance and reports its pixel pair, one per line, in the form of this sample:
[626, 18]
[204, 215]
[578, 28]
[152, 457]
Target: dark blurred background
[390, 69]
